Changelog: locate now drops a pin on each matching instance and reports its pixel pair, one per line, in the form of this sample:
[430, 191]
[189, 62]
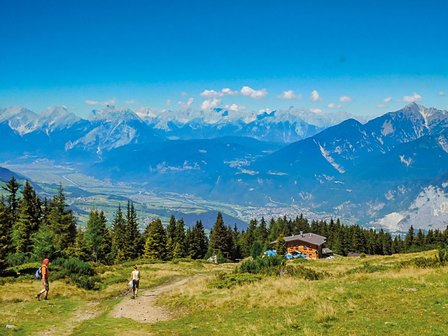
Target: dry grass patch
[324, 312]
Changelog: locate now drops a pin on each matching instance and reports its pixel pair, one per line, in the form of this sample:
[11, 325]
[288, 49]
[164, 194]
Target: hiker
[44, 274]
[135, 278]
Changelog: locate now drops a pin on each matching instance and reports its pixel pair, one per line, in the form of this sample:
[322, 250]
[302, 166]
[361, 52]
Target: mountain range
[391, 171]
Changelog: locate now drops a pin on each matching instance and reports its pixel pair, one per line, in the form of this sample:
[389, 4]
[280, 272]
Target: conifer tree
[5, 233]
[409, 240]
[97, 237]
[179, 241]
[419, 238]
[28, 220]
[133, 248]
[119, 236]
[44, 244]
[261, 232]
[171, 237]
[249, 237]
[12, 188]
[198, 242]
[81, 250]
[155, 245]
[62, 223]
[256, 249]
[280, 246]
[219, 239]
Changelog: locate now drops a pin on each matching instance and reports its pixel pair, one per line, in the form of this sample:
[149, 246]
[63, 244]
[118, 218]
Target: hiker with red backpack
[44, 278]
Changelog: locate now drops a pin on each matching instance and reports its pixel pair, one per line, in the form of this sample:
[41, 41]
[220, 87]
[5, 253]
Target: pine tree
[155, 245]
[249, 237]
[5, 233]
[119, 237]
[12, 188]
[62, 223]
[97, 237]
[419, 238]
[261, 232]
[171, 237]
[219, 239]
[44, 244]
[179, 241]
[409, 240]
[28, 221]
[133, 248]
[198, 242]
[280, 246]
[81, 250]
[256, 249]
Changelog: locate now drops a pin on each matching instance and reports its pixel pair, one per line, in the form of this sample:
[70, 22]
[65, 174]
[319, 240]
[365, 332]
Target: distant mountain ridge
[114, 127]
[376, 173]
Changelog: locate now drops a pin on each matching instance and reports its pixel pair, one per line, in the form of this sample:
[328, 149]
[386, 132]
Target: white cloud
[130, 102]
[101, 102]
[315, 110]
[234, 107]
[387, 100]
[218, 94]
[186, 105]
[255, 94]
[288, 95]
[441, 93]
[412, 99]
[334, 106]
[315, 96]
[381, 105]
[209, 104]
[345, 99]
[229, 92]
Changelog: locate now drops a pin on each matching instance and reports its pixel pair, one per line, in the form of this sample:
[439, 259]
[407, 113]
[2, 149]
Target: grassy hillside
[394, 295]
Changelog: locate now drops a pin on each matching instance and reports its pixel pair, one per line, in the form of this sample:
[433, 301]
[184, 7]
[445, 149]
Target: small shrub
[224, 280]
[305, 273]
[442, 255]
[262, 265]
[362, 255]
[85, 281]
[425, 262]
[367, 268]
[74, 266]
[79, 272]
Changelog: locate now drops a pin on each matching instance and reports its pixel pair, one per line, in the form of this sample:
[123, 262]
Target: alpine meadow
[226, 168]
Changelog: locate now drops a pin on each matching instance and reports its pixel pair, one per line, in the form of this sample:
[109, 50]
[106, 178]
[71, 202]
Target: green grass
[357, 296]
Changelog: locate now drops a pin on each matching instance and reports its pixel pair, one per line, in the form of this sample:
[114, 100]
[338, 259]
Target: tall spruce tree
[155, 245]
[198, 242]
[81, 250]
[44, 244]
[219, 239]
[28, 220]
[119, 237]
[170, 237]
[179, 241]
[12, 189]
[62, 223]
[5, 233]
[133, 247]
[97, 237]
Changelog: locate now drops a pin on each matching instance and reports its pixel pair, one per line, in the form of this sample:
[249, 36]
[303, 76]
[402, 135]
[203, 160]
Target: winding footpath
[143, 308]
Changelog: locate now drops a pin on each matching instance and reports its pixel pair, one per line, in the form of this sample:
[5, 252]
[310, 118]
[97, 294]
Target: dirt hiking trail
[143, 308]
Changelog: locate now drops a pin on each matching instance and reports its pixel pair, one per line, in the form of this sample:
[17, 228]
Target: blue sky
[363, 57]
